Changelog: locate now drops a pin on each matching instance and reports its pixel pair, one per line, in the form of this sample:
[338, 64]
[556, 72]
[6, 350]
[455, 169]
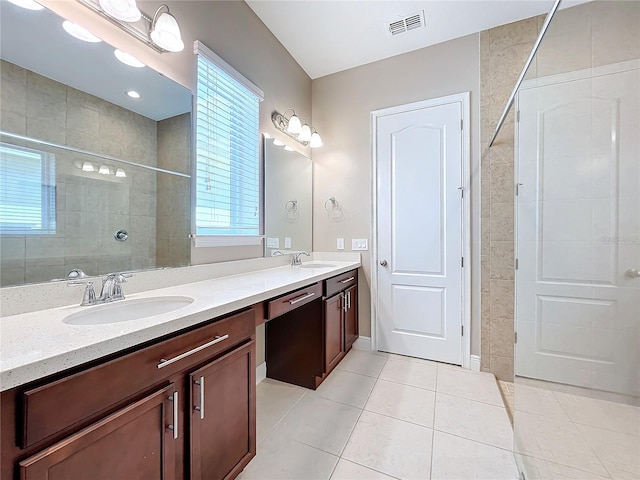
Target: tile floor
[563, 432]
[380, 416]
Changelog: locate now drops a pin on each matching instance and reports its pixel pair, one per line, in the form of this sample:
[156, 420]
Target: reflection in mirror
[287, 199]
[80, 160]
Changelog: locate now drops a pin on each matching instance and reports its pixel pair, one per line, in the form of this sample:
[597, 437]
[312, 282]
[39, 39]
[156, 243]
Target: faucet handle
[89, 296]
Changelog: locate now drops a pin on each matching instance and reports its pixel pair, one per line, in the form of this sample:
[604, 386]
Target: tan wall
[342, 103]
[237, 35]
[589, 35]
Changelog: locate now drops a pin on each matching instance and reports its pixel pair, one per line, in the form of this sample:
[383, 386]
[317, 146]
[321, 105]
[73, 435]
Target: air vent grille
[410, 22]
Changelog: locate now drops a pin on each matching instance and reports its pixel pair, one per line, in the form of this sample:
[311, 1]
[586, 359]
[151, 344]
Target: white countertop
[37, 344]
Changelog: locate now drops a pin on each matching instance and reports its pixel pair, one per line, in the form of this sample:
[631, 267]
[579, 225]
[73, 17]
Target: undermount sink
[317, 265]
[125, 310]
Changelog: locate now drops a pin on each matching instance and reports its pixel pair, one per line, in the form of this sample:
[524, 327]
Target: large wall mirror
[91, 177]
[288, 197]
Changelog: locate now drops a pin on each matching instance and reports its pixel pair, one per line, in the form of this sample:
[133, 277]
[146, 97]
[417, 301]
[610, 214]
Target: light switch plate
[359, 244]
[273, 243]
[287, 242]
[340, 243]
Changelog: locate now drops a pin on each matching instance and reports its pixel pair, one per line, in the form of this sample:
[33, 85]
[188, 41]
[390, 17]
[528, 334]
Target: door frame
[463, 100]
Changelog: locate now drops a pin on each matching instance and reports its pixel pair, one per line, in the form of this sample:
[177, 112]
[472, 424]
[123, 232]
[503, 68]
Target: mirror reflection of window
[27, 191]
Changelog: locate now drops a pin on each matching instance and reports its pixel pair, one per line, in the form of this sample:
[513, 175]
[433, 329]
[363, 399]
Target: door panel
[333, 331]
[577, 312]
[420, 293]
[134, 442]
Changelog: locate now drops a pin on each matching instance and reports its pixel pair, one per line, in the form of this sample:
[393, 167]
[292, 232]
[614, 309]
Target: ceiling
[36, 41]
[328, 36]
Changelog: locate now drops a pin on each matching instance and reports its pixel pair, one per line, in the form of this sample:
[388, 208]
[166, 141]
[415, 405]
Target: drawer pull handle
[163, 363]
[348, 300]
[301, 298]
[347, 280]
[200, 409]
[174, 398]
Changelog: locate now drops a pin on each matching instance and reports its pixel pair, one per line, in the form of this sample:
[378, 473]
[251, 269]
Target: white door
[578, 214]
[419, 157]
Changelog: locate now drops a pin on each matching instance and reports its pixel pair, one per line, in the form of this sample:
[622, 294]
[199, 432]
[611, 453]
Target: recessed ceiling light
[79, 32]
[127, 59]
[28, 4]
[133, 94]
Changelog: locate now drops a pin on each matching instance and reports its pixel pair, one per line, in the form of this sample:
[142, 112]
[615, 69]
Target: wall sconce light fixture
[296, 128]
[160, 32]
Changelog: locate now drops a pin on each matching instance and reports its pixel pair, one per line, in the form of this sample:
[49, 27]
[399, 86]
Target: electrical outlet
[359, 244]
[340, 243]
[287, 242]
[273, 243]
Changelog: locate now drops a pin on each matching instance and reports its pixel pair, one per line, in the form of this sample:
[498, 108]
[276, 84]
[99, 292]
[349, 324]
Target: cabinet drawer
[70, 402]
[293, 300]
[340, 282]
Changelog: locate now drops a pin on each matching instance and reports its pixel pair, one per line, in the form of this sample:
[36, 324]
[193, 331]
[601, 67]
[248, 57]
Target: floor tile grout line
[593, 451]
[304, 394]
[608, 476]
[369, 468]
[510, 450]
[471, 400]
[361, 410]
[433, 422]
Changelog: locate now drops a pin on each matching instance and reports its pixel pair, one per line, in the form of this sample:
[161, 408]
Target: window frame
[217, 240]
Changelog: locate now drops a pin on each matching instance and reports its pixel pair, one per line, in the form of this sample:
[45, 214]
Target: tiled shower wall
[589, 35]
[89, 207]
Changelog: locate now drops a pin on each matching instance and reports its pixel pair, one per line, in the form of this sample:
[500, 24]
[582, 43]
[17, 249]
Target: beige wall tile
[502, 298]
[615, 31]
[502, 221]
[502, 184]
[485, 275]
[485, 350]
[505, 36]
[502, 337]
[502, 260]
[502, 368]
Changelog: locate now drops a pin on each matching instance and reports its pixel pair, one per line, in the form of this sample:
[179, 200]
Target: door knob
[383, 263]
[632, 273]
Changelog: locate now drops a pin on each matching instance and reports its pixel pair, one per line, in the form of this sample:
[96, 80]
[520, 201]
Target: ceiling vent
[410, 22]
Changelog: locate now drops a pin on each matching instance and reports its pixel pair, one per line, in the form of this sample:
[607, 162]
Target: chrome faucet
[112, 287]
[295, 258]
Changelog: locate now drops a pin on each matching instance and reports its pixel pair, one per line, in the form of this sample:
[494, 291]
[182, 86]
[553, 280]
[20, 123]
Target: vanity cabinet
[178, 408]
[305, 343]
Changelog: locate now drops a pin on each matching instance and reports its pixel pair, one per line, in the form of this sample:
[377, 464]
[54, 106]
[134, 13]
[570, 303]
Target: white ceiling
[328, 36]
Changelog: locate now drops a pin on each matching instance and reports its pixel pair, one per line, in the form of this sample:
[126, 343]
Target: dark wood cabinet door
[134, 442]
[351, 317]
[333, 331]
[223, 413]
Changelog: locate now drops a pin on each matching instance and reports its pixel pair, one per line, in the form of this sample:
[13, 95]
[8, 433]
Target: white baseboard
[362, 343]
[261, 372]
[474, 363]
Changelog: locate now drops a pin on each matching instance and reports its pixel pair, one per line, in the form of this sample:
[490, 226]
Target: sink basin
[125, 310]
[317, 265]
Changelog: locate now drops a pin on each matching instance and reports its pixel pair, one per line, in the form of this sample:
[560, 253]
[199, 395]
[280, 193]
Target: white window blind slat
[227, 150]
[27, 191]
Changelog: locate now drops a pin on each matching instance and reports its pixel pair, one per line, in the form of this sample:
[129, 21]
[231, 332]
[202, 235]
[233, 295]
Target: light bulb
[28, 4]
[79, 32]
[125, 10]
[133, 94]
[294, 125]
[166, 33]
[120, 173]
[127, 59]
[104, 170]
[316, 140]
[305, 133]
[88, 167]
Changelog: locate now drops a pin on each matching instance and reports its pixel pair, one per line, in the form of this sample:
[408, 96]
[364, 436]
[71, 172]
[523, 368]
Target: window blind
[227, 152]
[27, 191]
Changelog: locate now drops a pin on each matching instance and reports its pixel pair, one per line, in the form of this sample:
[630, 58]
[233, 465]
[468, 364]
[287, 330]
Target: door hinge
[462, 124]
[462, 262]
[461, 191]
[462, 330]
[521, 476]
[515, 337]
[517, 115]
[516, 263]
[518, 185]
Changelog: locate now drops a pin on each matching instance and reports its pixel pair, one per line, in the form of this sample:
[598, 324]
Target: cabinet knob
[383, 263]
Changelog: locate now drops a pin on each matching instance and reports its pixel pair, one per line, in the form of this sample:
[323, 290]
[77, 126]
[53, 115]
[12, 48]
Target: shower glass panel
[577, 156]
[62, 209]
